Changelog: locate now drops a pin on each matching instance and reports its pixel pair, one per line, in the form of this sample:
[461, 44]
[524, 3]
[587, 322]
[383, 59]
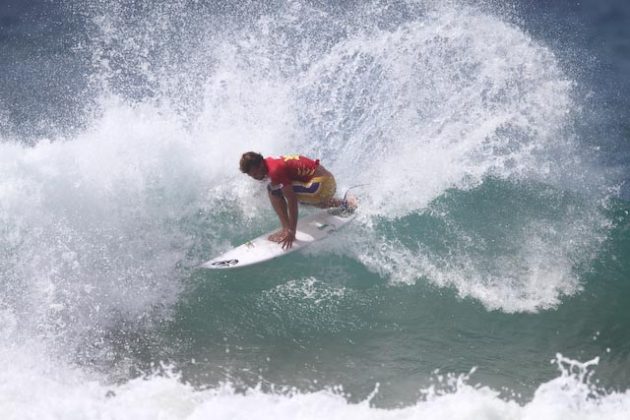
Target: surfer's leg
[349, 201]
[327, 194]
[319, 192]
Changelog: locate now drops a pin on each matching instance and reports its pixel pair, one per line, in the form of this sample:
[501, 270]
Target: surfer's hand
[287, 241]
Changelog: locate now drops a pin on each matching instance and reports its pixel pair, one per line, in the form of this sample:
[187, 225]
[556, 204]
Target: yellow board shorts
[318, 190]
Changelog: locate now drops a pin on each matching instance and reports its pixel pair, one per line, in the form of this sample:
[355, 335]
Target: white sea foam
[444, 103]
[95, 222]
[41, 389]
[97, 226]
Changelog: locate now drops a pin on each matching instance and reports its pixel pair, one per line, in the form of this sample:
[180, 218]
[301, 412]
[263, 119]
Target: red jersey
[286, 169]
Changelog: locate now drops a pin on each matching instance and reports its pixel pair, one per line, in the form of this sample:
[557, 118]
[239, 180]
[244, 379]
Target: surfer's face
[258, 172]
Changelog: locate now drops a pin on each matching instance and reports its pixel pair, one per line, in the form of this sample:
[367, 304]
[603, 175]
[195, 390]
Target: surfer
[292, 179]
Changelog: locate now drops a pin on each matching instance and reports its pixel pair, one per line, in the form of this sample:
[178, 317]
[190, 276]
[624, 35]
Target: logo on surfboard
[225, 263]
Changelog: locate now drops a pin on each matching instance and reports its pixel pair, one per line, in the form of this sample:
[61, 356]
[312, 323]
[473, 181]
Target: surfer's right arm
[279, 205]
[292, 216]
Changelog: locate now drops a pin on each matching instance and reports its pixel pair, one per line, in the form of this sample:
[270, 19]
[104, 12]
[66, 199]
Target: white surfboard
[310, 229]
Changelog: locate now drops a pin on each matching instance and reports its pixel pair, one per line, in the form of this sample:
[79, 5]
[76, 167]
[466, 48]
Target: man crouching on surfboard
[292, 179]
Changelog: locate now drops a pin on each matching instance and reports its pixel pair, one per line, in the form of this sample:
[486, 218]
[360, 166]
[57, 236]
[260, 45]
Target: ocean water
[486, 275]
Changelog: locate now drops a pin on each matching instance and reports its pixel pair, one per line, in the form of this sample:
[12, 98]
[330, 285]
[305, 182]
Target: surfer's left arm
[292, 207]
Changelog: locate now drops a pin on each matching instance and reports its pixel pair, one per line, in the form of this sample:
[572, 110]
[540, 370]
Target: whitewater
[484, 277]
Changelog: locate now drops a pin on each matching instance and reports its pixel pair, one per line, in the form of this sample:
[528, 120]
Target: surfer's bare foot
[350, 202]
[277, 236]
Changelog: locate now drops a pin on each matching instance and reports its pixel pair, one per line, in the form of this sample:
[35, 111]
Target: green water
[319, 319]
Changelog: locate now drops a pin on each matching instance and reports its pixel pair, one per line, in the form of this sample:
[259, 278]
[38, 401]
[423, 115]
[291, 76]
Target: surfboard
[311, 228]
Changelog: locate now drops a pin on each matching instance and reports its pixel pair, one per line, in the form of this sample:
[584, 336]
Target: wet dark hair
[250, 160]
